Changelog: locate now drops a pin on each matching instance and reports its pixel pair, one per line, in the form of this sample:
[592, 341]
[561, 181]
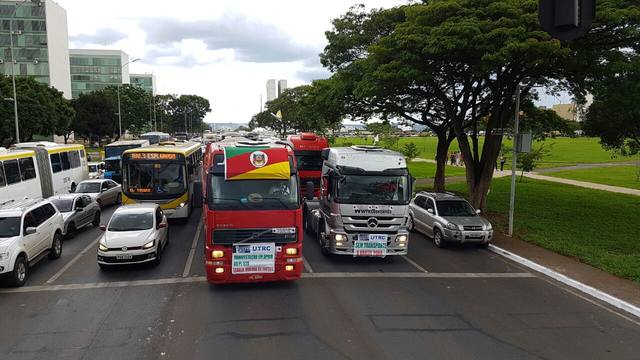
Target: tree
[458, 62]
[96, 116]
[529, 161]
[41, 110]
[187, 112]
[134, 105]
[410, 151]
[614, 115]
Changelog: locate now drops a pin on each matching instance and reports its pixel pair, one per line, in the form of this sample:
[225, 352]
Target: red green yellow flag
[244, 163]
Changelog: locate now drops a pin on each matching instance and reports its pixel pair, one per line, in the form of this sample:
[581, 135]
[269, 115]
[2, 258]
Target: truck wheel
[56, 246]
[410, 225]
[321, 240]
[438, 238]
[20, 272]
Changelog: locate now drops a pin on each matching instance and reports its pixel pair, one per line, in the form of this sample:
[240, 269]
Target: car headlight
[182, 204]
[149, 245]
[103, 247]
[452, 226]
[488, 227]
[4, 255]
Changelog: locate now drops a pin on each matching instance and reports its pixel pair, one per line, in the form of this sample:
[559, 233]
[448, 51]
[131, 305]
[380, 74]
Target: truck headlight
[292, 251]
[149, 245]
[217, 254]
[452, 226]
[401, 238]
[340, 237]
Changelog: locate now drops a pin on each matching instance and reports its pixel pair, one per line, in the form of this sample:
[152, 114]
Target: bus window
[27, 169]
[56, 164]
[82, 154]
[65, 161]
[3, 181]
[12, 171]
[74, 159]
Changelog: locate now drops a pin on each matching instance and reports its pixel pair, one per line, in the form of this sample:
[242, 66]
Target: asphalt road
[457, 303]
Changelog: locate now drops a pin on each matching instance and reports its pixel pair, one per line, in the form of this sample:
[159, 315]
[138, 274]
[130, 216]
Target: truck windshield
[373, 189]
[252, 194]
[155, 178]
[309, 161]
[9, 226]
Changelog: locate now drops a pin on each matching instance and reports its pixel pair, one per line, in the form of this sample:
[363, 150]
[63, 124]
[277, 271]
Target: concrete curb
[591, 291]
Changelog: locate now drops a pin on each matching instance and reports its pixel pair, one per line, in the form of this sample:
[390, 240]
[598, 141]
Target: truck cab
[307, 148]
[364, 197]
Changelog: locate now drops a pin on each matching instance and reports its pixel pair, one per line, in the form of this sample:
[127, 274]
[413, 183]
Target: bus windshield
[155, 178]
[367, 189]
[259, 194]
[112, 165]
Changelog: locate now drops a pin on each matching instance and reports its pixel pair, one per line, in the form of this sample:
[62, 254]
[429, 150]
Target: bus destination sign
[153, 156]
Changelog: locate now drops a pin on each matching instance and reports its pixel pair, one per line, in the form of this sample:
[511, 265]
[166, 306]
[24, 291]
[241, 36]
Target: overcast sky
[223, 50]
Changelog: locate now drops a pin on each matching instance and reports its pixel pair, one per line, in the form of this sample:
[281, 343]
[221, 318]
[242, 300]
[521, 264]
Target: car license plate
[124, 257]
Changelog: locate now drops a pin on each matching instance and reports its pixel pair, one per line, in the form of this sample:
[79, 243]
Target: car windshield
[63, 205]
[9, 226]
[93, 168]
[455, 208]
[88, 188]
[128, 221]
[157, 178]
[366, 189]
[253, 194]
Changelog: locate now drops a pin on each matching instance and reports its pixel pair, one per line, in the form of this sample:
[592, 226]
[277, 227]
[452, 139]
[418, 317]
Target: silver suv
[78, 211]
[448, 218]
[29, 230]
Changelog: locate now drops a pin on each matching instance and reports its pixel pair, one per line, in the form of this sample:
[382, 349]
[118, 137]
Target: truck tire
[321, 239]
[410, 225]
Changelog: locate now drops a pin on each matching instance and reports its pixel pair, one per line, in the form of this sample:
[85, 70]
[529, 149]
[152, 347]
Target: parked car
[29, 230]
[448, 219]
[96, 170]
[78, 211]
[135, 234]
[103, 191]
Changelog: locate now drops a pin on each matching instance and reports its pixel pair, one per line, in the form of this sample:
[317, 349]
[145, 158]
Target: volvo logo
[372, 222]
[124, 248]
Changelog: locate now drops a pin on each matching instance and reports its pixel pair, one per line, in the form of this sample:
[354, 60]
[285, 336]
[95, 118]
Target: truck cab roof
[370, 158]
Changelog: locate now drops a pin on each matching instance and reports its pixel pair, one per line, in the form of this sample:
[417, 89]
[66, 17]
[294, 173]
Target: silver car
[448, 219]
[78, 211]
[103, 191]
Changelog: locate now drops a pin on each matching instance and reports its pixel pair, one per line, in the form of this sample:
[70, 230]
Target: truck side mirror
[325, 154]
[310, 190]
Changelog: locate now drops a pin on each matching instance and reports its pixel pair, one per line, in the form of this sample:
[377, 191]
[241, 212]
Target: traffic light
[566, 19]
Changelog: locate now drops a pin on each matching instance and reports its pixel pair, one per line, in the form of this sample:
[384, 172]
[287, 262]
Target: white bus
[57, 169]
[19, 176]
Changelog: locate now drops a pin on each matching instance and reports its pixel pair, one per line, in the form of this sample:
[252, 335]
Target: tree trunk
[441, 159]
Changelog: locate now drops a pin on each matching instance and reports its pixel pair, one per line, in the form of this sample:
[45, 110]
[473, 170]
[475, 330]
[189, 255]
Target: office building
[271, 89]
[40, 42]
[145, 81]
[93, 70]
[566, 111]
[282, 86]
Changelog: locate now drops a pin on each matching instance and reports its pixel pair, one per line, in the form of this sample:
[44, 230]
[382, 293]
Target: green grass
[564, 151]
[598, 228]
[421, 170]
[624, 176]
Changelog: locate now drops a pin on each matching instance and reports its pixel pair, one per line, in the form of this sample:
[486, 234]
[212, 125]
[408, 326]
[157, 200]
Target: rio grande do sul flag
[245, 163]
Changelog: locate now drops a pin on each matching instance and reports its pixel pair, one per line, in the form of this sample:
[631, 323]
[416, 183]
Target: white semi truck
[363, 206]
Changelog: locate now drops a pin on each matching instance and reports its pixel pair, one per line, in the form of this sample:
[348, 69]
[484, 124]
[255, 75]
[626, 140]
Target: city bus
[164, 174]
[41, 169]
[253, 216]
[113, 157]
[155, 137]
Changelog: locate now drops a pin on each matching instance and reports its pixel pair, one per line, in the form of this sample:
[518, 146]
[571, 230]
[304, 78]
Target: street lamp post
[512, 198]
[119, 84]
[13, 77]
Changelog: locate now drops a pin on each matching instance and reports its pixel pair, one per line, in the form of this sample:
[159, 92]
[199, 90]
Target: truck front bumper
[343, 243]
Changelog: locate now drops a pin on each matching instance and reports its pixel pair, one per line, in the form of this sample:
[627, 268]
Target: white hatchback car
[29, 230]
[135, 234]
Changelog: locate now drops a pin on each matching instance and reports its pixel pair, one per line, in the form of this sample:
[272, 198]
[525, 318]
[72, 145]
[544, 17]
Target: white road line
[198, 279]
[307, 266]
[591, 291]
[73, 261]
[192, 252]
[423, 275]
[415, 264]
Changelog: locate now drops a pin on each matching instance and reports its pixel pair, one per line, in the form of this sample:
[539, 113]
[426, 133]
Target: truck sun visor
[244, 163]
[350, 170]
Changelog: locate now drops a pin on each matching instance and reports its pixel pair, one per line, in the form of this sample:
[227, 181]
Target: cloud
[251, 40]
[310, 74]
[104, 36]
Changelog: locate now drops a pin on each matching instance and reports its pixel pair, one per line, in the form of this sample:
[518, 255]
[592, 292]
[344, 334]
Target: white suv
[29, 229]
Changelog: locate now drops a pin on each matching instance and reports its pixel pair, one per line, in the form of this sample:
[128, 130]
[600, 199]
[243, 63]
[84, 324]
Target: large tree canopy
[455, 64]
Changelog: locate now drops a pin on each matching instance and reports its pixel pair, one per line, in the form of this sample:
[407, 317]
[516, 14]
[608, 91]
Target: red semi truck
[307, 148]
[252, 213]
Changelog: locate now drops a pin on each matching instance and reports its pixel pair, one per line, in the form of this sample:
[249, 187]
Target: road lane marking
[73, 261]
[192, 252]
[198, 279]
[584, 288]
[307, 265]
[415, 264]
